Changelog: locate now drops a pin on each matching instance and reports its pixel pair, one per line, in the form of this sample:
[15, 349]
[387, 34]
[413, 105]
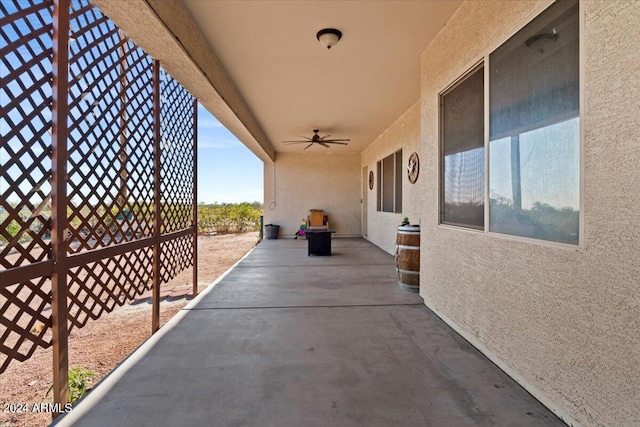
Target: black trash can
[271, 231]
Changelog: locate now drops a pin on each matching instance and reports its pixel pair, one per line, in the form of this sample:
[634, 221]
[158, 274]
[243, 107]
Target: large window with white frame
[533, 143]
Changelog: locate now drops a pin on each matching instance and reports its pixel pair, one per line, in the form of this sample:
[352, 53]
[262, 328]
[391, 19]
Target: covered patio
[507, 130]
[291, 340]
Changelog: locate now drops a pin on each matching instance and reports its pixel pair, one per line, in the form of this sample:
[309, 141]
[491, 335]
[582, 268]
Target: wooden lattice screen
[97, 176]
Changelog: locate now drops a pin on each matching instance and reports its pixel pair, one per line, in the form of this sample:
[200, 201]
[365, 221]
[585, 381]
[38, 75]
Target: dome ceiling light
[329, 37]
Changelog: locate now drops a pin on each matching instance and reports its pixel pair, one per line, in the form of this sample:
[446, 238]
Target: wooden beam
[24, 273]
[60, 108]
[157, 220]
[195, 198]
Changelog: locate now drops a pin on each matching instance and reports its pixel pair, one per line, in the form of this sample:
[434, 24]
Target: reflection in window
[535, 183]
[534, 151]
[464, 188]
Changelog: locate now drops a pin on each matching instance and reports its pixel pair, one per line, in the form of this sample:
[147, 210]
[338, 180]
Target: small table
[319, 242]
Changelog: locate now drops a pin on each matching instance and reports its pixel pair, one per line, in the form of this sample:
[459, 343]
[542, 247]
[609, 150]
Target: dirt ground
[102, 344]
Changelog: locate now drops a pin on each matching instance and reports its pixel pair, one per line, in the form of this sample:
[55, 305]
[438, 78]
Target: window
[379, 186]
[533, 139]
[534, 146]
[462, 179]
[390, 183]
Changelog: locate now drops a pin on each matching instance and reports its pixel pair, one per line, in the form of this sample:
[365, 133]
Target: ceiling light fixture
[329, 37]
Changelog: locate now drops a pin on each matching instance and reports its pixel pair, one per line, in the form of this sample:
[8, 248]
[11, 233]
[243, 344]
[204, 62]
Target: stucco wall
[313, 180]
[563, 322]
[403, 134]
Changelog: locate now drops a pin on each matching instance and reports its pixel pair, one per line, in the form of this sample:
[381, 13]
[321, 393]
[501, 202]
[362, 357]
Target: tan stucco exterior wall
[564, 322]
[313, 180]
[403, 134]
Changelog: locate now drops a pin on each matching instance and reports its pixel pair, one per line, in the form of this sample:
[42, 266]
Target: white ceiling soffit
[292, 84]
[258, 67]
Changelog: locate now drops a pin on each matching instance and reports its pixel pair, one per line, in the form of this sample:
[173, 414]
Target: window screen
[390, 183]
[462, 180]
[379, 185]
[398, 182]
[387, 183]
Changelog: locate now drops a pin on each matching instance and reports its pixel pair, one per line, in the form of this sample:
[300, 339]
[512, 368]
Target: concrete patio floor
[290, 340]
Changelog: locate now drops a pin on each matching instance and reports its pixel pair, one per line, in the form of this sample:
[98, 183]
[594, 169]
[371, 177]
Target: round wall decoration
[413, 167]
[370, 180]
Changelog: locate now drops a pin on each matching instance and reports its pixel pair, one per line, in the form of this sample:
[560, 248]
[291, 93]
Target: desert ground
[102, 344]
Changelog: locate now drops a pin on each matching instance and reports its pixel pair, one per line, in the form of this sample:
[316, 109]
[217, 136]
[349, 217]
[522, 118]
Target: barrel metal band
[412, 248]
[408, 271]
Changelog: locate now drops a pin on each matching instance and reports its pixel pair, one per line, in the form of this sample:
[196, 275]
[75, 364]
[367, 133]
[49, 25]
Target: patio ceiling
[277, 81]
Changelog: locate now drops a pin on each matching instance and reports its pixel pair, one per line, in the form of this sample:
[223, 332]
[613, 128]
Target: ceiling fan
[317, 139]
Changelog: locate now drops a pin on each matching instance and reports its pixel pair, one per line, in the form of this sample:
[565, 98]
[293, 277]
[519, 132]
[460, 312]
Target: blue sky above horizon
[228, 172]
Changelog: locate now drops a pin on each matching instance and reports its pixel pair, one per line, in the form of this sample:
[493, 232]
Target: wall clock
[370, 180]
[413, 167]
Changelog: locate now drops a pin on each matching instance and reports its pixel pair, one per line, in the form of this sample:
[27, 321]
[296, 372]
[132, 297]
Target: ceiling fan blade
[306, 139]
[317, 139]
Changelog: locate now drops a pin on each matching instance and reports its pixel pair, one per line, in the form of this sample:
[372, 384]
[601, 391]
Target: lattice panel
[25, 122]
[175, 256]
[110, 134]
[25, 314]
[110, 177]
[177, 156]
[101, 286]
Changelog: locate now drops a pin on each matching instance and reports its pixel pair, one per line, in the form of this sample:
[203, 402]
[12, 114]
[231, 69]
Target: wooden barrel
[408, 257]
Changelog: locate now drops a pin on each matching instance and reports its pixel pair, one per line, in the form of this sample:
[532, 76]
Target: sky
[228, 172]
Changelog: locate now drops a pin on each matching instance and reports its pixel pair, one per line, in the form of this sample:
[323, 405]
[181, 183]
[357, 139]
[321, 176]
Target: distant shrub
[228, 218]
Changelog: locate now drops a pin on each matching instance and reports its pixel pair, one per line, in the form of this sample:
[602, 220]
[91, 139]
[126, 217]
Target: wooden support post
[59, 132]
[123, 155]
[157, 220]
[195, 197]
